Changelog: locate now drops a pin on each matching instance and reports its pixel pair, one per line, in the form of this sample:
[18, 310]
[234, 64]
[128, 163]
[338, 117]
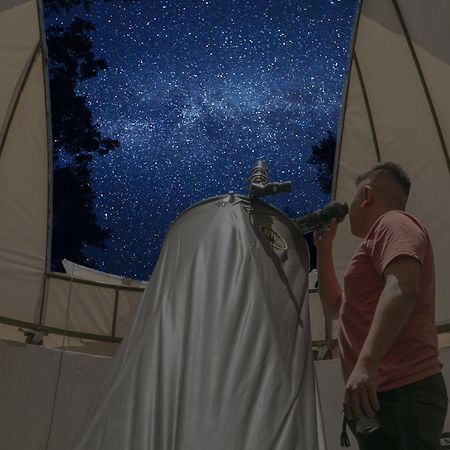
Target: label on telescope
[273, 237]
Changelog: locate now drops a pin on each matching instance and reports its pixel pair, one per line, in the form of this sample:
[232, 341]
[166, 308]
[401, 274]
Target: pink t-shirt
[414, 353]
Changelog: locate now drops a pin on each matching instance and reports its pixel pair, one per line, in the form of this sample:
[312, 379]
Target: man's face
[356, 213]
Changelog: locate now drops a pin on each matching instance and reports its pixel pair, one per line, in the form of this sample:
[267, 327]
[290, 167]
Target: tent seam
[423, 82]
[343, 113]
[368, 109]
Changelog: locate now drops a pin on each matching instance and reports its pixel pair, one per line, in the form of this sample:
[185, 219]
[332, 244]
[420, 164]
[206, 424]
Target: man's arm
[330, 291]
[393, 309]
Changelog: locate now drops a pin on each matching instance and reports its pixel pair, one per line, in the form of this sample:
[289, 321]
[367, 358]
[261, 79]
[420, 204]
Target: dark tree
[322, 157]
[74, 221]
[76, 138]
[72, 61]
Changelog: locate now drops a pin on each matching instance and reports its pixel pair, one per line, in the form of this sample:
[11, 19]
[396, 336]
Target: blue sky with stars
[196, 92]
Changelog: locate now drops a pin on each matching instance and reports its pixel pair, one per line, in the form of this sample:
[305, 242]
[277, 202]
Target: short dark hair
[391, 169]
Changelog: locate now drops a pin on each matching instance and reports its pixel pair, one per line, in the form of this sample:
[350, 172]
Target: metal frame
[44, 56]
[344, 104]
[337, 155]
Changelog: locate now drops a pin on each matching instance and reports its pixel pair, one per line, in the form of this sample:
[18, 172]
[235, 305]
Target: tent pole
[48, 252]
[344, 104]
[17, 95]
[337, 154]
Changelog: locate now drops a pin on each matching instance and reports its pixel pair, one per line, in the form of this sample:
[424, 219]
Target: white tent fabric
[23, 405]
[398, 108]
[44, 398]
[24, 161]
[85, 273]
[90, 307]
[219, 355]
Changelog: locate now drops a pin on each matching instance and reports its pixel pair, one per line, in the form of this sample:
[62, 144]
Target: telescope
[219, 353]
[260, 186]
[321, 218]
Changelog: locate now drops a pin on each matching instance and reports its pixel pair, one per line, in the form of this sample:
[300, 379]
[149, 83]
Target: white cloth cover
[219, 355]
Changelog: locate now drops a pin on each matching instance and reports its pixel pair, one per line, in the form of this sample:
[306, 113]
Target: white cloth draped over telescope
[219, 356]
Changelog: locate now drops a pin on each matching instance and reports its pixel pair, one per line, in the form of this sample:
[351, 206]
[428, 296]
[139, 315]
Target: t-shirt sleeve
[396, 235]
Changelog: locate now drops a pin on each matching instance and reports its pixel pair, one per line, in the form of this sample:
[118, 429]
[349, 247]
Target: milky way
[196, 92]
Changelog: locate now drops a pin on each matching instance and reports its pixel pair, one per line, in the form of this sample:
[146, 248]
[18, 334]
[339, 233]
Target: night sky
[196, 92]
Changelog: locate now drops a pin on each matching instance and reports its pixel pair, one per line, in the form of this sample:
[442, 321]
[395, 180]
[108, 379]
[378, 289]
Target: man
[386, 312]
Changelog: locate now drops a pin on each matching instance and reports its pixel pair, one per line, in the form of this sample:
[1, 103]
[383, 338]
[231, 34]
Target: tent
[395, 107]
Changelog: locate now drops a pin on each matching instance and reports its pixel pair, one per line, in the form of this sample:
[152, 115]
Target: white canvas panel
[86, 273]
[128, 305]
[23, 368]
[437, 75]
[23, 202]
[356, 153]
[81, 307]
[316, 317]
[28, 379]
[17, 44]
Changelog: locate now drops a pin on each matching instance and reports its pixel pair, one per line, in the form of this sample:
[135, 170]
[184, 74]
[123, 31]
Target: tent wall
[397, 108]
[24, 161]
[23, 368]
[34, 383]
[90, 307]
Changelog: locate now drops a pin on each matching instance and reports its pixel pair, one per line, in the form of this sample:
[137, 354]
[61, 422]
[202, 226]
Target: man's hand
[324, 238]
[361, 391]
[330, 291]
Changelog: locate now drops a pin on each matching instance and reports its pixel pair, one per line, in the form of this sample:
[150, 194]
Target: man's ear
[367, 194]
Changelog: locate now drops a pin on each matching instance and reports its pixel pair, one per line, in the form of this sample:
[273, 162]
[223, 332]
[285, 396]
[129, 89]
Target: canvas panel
[17, 44]
[86, 273]
[126, 311]
[316, 317]
[82, 307]
[23, 202]
[28, 380]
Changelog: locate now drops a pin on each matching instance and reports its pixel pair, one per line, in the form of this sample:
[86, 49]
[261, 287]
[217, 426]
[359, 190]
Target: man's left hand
[361, 391]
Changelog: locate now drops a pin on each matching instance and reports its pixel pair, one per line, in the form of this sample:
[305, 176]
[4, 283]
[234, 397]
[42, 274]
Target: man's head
[382, 188]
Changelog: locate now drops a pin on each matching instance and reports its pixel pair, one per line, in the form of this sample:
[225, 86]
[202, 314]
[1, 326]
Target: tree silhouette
[74, 220]
[72, 61]
[322, 157]
[76, 138]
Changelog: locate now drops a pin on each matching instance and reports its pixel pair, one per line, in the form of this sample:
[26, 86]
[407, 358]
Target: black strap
[345, 441]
